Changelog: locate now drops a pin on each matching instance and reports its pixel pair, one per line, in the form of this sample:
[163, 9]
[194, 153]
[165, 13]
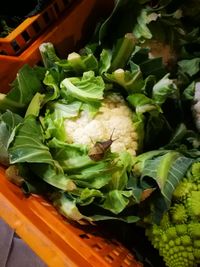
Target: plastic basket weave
[67, 33]
[53, 238]
[23, 35]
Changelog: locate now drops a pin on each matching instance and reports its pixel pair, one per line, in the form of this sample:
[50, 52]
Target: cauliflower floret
[159, 49]
[196, 106]
[114, 117]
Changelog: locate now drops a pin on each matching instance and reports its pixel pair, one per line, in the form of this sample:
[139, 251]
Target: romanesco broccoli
[177, 236]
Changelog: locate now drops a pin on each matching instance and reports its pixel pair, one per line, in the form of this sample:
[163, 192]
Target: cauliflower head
[114, 119]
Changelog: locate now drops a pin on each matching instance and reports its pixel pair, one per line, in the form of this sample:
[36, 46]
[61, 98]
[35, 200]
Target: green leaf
[190, 66]
[126, 219]
[8, 122]
[141, 30]
[87, 196]
[142, 103]
[78, 64]
[122, 24]
[28, 144]
[67, 207]
[105, 61]
[48, 54]
[189, 91]
[94, 176]
[137, 187]
[92, 108]
[116, 201]
[140, 160]
[177, 172]
[74, 160]
[53, 126]
[53, 174]
[122, 51]
[70, 156]
[178, 136]
[131, 81]
[167, 170]
[150, 66]
[88, 88]
[35, 105]
[52, 80]
[120, 176]
[164, 89]
[23, 89]
[62, 109]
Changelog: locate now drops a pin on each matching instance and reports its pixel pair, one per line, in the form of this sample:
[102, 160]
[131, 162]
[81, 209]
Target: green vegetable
[87, 89]
[177, 236]
[106, 133]
[48, 55]
[26, 84]
[8, 122]
[122, 51]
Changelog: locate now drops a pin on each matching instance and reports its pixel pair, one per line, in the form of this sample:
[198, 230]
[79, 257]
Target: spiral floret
[177, 236]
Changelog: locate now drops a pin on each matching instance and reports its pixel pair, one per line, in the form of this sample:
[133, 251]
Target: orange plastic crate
[68, 33]
[57, 241]
[31, 28]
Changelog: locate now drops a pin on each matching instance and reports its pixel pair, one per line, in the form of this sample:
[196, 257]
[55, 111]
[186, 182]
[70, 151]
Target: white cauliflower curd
[196, 106]
[114, 118]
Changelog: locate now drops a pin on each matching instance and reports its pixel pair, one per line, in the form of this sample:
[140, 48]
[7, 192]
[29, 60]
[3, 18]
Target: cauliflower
[196, 106]
[159, 49]
[114, 118]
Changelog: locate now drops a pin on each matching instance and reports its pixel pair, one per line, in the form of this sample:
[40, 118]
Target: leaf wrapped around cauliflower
[82, 129]
[58, 133]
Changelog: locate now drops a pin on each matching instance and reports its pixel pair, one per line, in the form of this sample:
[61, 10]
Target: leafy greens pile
[151, 56]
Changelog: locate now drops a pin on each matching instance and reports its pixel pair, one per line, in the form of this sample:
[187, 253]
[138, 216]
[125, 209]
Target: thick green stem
[35, 105]
[7, 103]
[123, 51]
[48, 54]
